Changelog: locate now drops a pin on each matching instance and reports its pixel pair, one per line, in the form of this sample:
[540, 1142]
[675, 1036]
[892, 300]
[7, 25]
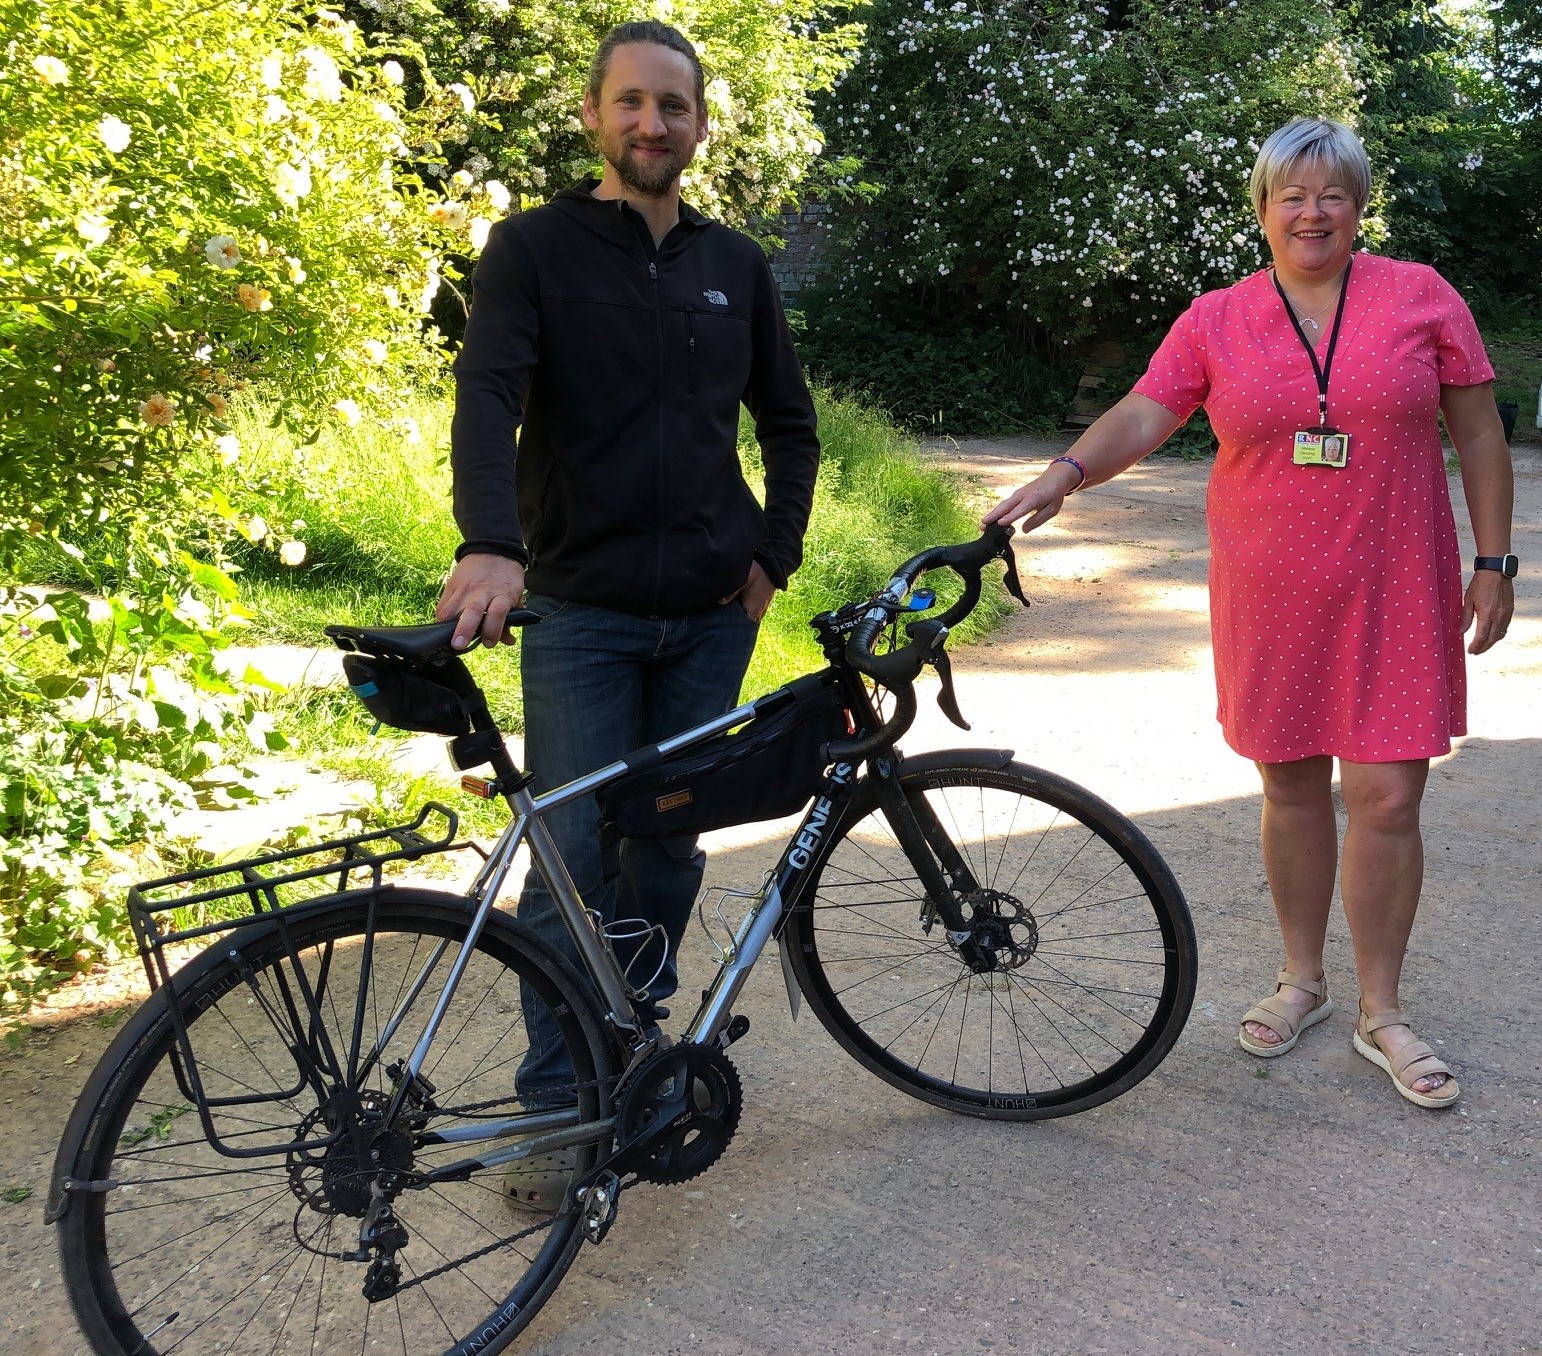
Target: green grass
[379, 537]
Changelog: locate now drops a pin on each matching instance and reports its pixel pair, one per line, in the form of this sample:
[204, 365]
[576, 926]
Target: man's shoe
[540, 1183]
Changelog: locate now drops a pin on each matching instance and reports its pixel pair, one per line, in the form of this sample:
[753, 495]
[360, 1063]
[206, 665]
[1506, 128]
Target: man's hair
[1319, 143]
[645, 30]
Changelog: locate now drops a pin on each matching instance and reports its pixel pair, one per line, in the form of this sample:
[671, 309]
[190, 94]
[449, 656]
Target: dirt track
[1223, 1204]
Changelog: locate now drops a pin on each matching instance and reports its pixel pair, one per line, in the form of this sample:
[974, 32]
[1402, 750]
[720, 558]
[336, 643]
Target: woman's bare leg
[1383, 873]
[1300, 845]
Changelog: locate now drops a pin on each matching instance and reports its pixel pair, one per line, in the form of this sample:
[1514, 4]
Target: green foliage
[519, 70]
[194, 197]
[934, 373]
[116, 716]
[1457, 151]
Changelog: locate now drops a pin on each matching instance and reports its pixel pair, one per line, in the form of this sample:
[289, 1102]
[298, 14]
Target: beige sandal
[1276, 1014]
[1414, 1061]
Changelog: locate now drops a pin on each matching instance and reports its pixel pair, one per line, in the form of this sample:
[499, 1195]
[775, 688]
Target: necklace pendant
[1313, 324]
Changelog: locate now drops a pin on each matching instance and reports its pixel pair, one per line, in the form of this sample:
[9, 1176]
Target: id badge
[1321, 447]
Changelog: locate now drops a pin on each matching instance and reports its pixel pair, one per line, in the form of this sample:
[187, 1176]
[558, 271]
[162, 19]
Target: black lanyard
[1320, 370]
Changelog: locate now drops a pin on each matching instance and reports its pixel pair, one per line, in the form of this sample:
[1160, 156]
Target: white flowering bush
[1047, 163]
[192, 198]
[517, 69]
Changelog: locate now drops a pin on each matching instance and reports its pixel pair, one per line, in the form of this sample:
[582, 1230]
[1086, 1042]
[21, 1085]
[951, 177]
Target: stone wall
[805, 229]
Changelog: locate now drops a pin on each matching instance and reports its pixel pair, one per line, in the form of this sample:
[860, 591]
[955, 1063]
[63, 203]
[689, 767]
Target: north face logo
[715, 297]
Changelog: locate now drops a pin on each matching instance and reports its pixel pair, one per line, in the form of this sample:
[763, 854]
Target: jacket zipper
[662, 506]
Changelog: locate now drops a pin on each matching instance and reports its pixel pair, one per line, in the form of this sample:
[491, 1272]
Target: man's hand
[755, 594]
[481, 591]
[1490, 602]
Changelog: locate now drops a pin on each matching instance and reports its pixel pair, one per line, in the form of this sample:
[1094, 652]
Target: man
[618, 331]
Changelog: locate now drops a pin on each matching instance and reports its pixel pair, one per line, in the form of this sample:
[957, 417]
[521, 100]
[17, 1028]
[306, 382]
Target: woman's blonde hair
[1322, 144]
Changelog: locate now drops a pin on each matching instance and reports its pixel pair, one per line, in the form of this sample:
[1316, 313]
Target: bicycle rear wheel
[181, 1249]
[1095, 949]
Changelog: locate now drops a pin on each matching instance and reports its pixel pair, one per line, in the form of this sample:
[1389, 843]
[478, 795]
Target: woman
[1330, 343]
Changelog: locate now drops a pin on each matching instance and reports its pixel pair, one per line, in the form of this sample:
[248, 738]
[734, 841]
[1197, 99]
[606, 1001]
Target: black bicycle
[305, 1139]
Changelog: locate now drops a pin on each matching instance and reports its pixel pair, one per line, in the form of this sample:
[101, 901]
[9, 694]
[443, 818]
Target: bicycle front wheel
[1094, 955]
[180, 1248]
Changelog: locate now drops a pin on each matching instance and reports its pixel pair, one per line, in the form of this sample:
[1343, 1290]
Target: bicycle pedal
[736, 1029]
[600, 1199]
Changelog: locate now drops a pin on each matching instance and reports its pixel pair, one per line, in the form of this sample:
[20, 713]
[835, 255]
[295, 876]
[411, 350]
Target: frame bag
[767, 768]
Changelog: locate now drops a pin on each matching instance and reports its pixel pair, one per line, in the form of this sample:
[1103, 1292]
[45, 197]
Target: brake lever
[1013, 583]
[935, 635]
[946, 697]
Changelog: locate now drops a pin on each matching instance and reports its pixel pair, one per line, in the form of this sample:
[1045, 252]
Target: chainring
[704, 1079]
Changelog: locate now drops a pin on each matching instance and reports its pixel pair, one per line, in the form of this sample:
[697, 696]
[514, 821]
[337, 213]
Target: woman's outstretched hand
[1035, 504]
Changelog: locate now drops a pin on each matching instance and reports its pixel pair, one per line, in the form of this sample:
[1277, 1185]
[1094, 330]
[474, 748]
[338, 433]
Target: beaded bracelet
[1070, 460]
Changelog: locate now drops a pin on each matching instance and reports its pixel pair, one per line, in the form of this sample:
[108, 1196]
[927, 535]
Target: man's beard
[650, 178]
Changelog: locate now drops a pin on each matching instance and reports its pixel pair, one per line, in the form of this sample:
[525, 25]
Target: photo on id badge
[1321, 447]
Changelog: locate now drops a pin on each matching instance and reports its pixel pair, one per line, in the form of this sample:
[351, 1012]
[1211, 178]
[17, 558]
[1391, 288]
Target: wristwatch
[1508, 566]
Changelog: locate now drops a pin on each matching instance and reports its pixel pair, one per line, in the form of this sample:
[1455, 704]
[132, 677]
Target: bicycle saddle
[417, 643]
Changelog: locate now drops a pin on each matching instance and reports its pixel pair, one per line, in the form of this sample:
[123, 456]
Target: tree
[1080, 170]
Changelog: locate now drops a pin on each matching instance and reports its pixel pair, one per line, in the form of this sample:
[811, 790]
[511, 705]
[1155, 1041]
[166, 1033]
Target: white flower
[222, 251]
[461, 179]
[274, 109]
[450, 214]
[391, 295]
[256, 527]
[229, 448]
[347, 411]
[375, 351]
[497, 194]
[292, 553]
[1473, 160]
[392, 71]
[322, 80]
[292, 182]
[430, 287]
[115, 133]
[50, 70]
[411, 433]
[480, 226]
[272, 71]
[468, 100]
[296, 269]
[93, 228]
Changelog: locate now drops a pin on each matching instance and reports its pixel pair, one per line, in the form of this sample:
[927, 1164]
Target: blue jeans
[597, 685]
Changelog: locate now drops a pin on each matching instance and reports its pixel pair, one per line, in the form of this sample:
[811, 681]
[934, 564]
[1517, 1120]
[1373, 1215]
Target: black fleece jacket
[623, 367]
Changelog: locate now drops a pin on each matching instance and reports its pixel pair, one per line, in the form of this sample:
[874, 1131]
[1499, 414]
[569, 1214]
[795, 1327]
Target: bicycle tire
[255, 1280]
[1052, 1044]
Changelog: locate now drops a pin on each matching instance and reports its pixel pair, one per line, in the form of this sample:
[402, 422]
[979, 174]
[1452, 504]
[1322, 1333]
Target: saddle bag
[406, 697]
[767, 768]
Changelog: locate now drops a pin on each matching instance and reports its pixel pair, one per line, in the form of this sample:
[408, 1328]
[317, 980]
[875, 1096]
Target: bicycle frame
[784, 890]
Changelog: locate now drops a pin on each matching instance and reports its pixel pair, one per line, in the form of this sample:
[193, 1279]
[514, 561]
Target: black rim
[1093, 995]
[245, 1252]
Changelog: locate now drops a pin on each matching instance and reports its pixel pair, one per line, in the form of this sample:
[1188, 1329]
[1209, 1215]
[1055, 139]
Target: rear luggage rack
[276, 883]
[285, 887]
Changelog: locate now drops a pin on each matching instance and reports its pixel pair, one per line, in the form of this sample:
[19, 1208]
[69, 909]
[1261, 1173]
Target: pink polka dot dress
[1335, 594]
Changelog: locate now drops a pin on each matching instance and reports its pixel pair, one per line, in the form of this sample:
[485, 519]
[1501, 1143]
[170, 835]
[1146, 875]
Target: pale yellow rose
[158, 411]
[254, 298]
